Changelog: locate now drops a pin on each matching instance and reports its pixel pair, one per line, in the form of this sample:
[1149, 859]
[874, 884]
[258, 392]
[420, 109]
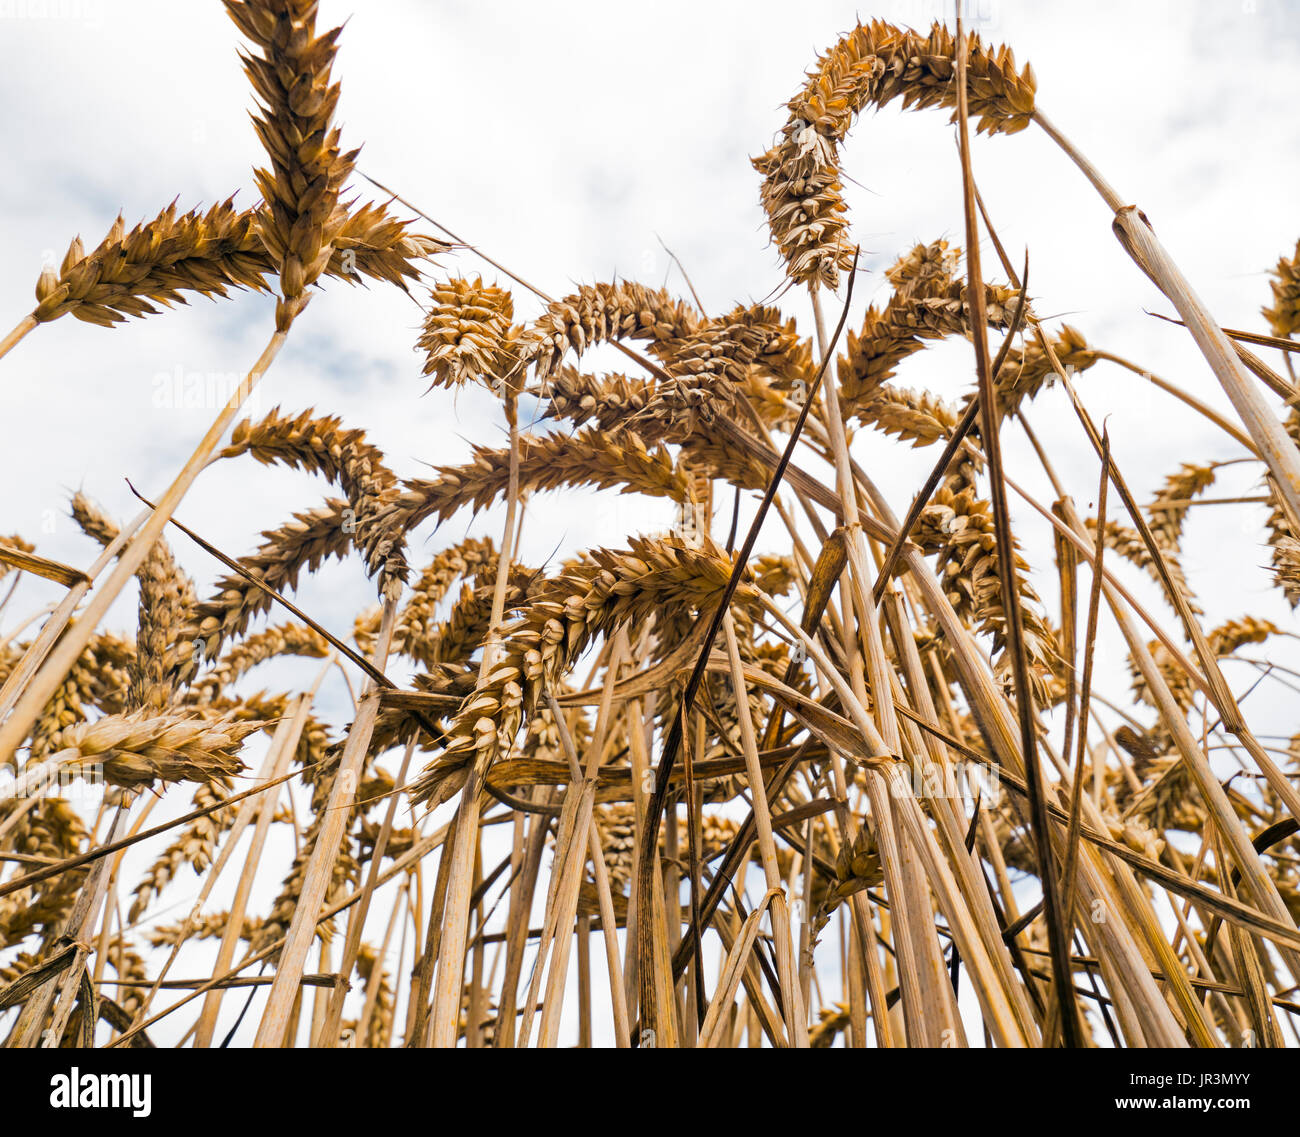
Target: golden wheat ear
[469, 334]
[290, 73]
[870, 67]
[1284, 316]
[157, 262]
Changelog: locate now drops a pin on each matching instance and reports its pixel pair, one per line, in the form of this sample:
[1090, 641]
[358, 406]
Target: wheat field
[797, 768]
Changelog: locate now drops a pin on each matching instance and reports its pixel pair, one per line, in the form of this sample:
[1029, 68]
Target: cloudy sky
[569, 140]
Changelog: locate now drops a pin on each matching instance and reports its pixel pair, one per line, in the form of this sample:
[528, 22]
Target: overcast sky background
[567, 139]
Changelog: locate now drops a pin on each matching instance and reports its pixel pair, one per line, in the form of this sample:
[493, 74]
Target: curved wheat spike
[900, 329]
[416, 623]
[302, 544]
[616, 459]
[1223, 641]
[605, 313]
[870, 67]
[322, 446]
[1231, 635]
[589, 598]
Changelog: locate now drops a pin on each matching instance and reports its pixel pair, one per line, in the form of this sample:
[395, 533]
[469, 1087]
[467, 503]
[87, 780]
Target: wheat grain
[606, 313]
[1028, 370]
[960, 527]
[303, 543]
[589, 598]
[1129, 544]
[911, 317]
[93, 520]
[211, 254]
[705, 369]
[134, 750]
[210, 926]
[1169, 511]
[607, 400]
[193, 846]
[278, 640]
[416, 632]
[166, 597]
[99, 679]
[917, 417]
[53, 829]
[372, 243]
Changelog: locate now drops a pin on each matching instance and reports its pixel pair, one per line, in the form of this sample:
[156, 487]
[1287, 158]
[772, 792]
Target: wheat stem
[274, 764]
[62, 657]
[272, 1031]
[25, 325]
[1139, 240]
[451, 960]
[329, 1034]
